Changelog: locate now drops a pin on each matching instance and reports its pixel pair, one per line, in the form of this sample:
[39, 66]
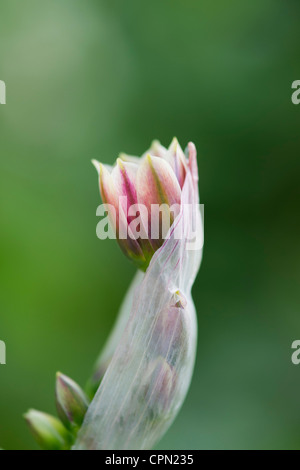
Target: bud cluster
[52, 433]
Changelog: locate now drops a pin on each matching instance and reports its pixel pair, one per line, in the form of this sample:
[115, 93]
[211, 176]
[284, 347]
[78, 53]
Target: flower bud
[179, 299]
[140, 190]
[170, 331]
[71, 402]
[159, 384]
[48, 431]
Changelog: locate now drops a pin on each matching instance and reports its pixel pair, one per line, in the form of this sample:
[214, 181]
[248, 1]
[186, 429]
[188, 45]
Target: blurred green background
[88, 79]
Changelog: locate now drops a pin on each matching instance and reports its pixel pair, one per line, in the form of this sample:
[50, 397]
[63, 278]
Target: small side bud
[179, 299]
[48, 431]
[171, 328]
[71, 402]
[160, 380]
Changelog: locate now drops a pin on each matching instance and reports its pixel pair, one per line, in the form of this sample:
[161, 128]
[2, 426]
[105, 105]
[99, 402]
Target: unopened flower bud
[48, 431]
[71, 402]
[138, 191]
[179, 299]
[160, 380]
[170, 332]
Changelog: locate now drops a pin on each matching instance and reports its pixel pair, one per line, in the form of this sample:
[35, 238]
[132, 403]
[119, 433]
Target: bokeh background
[88, 79]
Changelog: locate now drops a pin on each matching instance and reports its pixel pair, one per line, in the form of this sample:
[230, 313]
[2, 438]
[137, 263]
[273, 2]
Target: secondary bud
[159, 385]
[71, 402]
[48, 431]
[179, 299]
[171, 328]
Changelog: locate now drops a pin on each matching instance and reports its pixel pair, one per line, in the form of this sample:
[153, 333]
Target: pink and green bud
[138, 191]
[71, 402]
[48, 431]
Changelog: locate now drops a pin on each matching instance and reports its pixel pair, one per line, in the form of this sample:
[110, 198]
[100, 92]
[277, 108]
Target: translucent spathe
[149, 374]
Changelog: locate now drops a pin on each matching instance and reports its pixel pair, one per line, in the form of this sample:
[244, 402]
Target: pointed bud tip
[61, 379]
[97, 165]
[179, 299]
[155, 145]
[191, 148]
[120, 163]
[27, 415]
[123, 156]
[71, 401]
[174, 143]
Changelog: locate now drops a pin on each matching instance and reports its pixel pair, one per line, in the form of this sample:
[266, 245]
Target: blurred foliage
[90, 79]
